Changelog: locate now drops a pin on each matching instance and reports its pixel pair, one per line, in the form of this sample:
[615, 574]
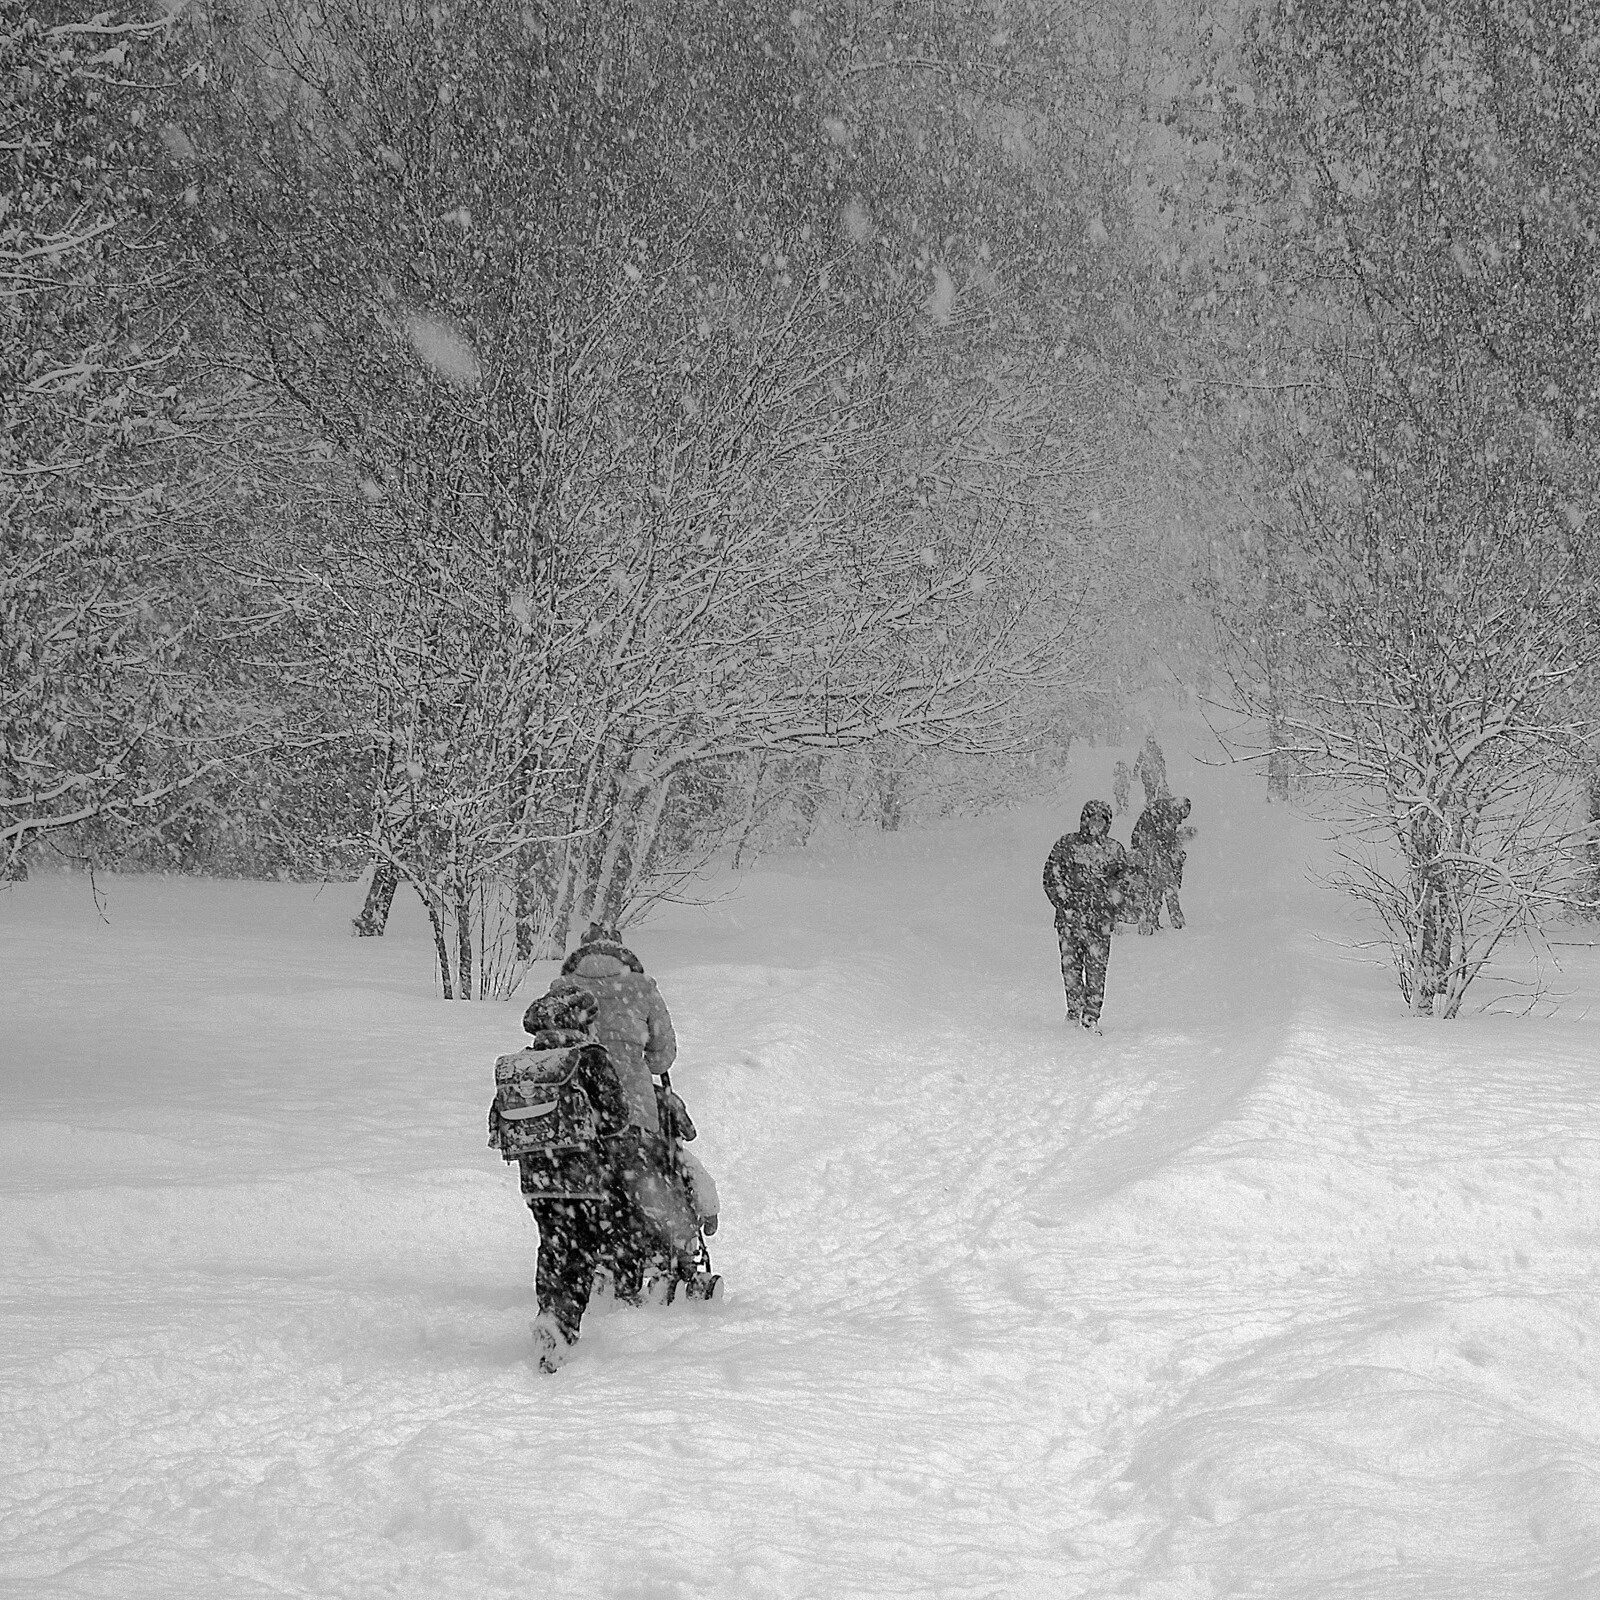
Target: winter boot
[551, 1342]
[704, 1286]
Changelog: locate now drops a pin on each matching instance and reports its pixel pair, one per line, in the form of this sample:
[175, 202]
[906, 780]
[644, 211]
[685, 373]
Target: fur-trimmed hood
[609, 951]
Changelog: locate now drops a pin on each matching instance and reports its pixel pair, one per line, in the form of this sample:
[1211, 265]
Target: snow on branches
[631, 498]
[89, 639]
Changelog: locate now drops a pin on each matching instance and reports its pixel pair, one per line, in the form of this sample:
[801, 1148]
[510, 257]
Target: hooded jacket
[634, 1024]
[1084, 876]
[1159, 835]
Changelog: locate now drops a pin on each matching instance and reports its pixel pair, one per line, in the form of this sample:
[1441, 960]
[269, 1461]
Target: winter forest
[741, 477]
[522, 454]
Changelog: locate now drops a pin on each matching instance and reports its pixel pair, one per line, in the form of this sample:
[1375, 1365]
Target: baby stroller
[676, 1203]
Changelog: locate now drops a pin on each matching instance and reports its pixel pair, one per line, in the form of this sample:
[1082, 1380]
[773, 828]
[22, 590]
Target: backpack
[540, 1109]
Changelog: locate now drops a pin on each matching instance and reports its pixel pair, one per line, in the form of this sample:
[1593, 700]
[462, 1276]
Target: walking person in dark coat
[1085, 877]
[1158, 840]
[568, 1186]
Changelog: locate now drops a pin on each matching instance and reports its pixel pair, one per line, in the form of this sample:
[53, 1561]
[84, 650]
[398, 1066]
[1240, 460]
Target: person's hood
[601, 958]
[567, 1011]
[1093, 809]
[601, 964]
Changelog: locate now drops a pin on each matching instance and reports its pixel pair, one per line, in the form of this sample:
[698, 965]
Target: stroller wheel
[704, 1286]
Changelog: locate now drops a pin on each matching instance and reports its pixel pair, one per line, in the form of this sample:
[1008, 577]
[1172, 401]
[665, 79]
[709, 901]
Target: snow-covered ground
[1271, 1291]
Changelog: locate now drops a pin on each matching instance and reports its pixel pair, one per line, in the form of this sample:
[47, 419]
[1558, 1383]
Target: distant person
[636, 1028]
[1085, 877]
[1121, 785]
[1159, 837]
[1150, 768]
[560, 1114]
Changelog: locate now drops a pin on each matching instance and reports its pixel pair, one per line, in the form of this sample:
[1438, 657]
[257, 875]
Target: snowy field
[1271, 1291]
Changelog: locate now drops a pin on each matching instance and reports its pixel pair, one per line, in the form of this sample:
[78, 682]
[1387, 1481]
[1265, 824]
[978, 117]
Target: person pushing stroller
[663, 1199]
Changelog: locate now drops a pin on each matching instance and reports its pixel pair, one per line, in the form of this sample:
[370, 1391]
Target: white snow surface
[1271, 1291]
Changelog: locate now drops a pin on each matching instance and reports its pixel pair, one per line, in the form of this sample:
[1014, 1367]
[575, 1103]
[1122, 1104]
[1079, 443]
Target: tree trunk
[1434, 945]
[374, 916]
[1277, 761]
[891, 798]
[611, 857]
[636, 862]
[523, 902]
[464, 939]
[809, 801]
[1591, 847]
[566, 888]
[440, 948]
[1277, 767]
[752, 795]
[577, 877]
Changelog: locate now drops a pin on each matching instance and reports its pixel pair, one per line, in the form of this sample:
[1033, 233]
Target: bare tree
[622, 512]
[96, 720]
[1443, 612]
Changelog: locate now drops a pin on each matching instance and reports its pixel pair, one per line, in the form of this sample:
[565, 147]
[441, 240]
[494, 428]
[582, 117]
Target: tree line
[521, 450]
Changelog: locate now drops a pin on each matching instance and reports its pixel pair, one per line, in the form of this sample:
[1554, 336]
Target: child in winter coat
[568, 1183]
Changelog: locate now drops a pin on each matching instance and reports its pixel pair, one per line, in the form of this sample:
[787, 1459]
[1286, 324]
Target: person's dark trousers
[1085, 955]
[1159, 890]
[636, 1246]
[1174, 910]
[1150, 906]
[573, 1239]
[1161, 887]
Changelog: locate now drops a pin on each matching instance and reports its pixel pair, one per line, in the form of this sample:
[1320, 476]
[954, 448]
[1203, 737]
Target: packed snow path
[1270, 1291]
